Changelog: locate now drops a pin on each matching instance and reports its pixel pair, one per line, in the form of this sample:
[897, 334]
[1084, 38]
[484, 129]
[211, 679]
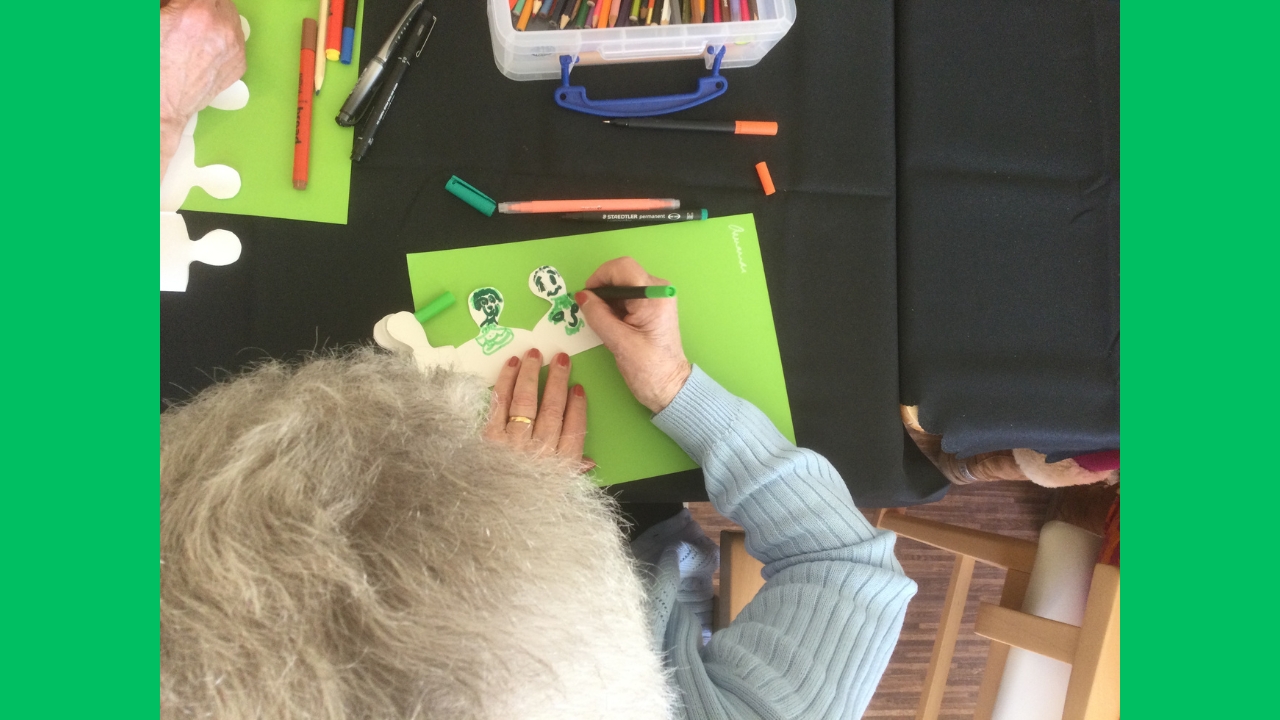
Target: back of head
[337, 541]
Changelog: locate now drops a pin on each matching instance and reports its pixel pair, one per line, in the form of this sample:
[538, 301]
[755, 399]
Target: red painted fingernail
[533, 354]
[514, 361]
[577, 390]
[562, 360]
[580, 297]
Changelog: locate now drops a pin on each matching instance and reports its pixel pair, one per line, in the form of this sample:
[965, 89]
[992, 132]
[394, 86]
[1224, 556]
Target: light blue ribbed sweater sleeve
[816, 639]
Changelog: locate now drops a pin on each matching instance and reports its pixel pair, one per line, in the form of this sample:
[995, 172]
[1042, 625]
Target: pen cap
[435, 307]
[766, 180]
[309, 29]
[752, 127]
[471, 196]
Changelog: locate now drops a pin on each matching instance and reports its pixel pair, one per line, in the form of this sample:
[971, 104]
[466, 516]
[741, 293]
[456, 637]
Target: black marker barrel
[619, 292]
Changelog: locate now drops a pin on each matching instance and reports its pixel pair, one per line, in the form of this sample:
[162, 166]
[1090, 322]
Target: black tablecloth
[827, 236]
[1009, 222]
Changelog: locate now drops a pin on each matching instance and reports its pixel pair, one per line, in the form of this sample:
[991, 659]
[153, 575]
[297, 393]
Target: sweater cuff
[701, 413]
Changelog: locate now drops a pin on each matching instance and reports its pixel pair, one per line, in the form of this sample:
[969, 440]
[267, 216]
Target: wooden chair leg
[1015, 590]
[1094, 690]
[882, 512]
[935, 681]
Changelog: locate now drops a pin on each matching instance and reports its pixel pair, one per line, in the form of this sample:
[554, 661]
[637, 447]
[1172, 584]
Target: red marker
[333, 39]
[306, 91]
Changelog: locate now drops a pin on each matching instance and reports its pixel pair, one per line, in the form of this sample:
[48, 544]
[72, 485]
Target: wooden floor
[1017, 509]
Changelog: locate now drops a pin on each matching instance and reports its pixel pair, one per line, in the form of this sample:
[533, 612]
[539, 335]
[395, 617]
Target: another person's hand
[557, 427]
[643, 335]
[201, 54]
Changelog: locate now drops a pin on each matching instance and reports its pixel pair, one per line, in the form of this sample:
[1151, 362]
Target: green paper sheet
[725, 320]
[257, 140]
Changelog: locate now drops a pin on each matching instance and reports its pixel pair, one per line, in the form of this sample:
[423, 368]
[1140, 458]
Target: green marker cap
[704, 213]
[435, 307]
[471, 196]
[660, 291]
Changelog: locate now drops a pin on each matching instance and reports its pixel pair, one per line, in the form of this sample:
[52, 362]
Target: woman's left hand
[558, 427]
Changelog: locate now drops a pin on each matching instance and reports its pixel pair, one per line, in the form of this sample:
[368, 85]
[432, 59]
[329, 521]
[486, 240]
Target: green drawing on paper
[566, 311]
[548, 283]
[486, 306]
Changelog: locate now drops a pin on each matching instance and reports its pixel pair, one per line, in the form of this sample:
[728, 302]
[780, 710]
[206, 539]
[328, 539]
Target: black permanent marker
[372, 73]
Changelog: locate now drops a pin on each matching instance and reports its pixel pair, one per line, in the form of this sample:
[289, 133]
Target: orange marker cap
[752, 127]
[765, 180]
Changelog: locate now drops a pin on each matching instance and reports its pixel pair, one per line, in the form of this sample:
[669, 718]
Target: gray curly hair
[337, 541]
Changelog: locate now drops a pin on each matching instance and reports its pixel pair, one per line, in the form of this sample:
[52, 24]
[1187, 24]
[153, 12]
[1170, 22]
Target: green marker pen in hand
[640, 292]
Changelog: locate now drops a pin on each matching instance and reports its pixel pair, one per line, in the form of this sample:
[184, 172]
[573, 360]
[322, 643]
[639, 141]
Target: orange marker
[763, 171]
[306, 91]
[573, 206]
[333, 39]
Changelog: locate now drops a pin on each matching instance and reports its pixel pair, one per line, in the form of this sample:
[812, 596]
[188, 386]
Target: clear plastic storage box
[535, 54]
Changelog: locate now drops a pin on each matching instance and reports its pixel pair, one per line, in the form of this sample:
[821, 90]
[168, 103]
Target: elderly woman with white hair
[352, 538]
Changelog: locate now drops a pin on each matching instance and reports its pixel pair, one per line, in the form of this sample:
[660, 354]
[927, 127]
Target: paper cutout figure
[545, 282]
[402, 333]
[233, 98]
[178, 251]
[220, 247]
[562, 330]
[219, 181]
[563, 327]
[486, 305]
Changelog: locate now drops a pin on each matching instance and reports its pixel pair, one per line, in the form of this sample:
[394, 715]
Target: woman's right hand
[643, 335]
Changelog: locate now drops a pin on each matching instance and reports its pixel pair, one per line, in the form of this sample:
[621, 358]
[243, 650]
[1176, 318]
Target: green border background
[81, 363]
[1199, 149]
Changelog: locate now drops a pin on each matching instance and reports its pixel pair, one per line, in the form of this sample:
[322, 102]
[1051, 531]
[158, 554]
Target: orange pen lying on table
[737, 127]
[306, 91]
[571, 206]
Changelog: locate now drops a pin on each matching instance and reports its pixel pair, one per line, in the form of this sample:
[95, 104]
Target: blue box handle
[574, 97]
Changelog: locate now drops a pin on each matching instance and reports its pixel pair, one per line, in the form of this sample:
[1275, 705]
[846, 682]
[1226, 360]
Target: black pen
[657, 216]
[417, 38]
[372, 72]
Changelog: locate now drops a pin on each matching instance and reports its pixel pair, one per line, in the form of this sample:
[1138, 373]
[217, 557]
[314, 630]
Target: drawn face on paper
[485, 305]
[547, 282]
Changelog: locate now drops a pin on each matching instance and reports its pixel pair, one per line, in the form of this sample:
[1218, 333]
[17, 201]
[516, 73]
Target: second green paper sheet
[257, 140]
[726, 322]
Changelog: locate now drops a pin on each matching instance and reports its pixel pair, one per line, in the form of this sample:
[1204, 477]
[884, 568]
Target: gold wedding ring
[520, 418]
